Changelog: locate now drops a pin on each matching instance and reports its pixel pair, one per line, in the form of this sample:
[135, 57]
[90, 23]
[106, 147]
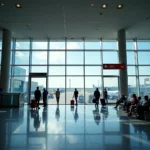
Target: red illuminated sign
[114, 66]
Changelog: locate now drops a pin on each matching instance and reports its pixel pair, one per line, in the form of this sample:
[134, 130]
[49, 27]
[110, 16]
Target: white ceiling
[76, 18]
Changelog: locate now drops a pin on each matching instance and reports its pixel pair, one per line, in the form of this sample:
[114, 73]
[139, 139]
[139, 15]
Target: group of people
[37, 95]
[134, 105]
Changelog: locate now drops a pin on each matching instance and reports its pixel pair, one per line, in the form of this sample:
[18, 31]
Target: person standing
[76, 95]
[37, 95]
[45, 93]
[105, 94]
[57, 96]
[97, 97]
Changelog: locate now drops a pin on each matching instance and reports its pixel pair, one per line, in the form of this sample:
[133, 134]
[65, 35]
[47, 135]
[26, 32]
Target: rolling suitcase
[72, 102]
[102, 102]
[33, 104]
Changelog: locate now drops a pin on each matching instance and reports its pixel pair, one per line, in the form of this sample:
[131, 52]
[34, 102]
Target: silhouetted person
[57, 113]
[1, 91]
[105, 94]
[121, 100]
[57, 96]
[76, 95]
[97, 96]
[37, 95]
[45, 93]
[76, 116]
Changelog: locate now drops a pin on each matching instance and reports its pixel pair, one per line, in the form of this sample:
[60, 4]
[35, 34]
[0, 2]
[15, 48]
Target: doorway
[36, 80]
[111, 84]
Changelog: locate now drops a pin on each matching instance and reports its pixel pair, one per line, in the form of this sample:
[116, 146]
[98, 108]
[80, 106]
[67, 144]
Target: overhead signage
[37, 74]
[114, 66]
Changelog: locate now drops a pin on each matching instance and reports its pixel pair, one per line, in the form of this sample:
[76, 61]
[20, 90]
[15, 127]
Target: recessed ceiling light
[2, 4]
[104, 6]
[18, 5]
[120, 6]
[92, 5]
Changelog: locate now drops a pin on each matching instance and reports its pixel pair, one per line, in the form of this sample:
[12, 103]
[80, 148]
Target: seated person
[132, 107]
[143, 107]
[133, 101]
[121, 100]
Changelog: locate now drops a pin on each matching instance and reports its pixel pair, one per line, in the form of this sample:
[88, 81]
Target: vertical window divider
[48, 66]
[30, 55]
[84, 68]
[65, 70]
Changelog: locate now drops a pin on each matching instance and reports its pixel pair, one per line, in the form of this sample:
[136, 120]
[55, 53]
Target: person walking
[45, 93]
[105, 94]
[76, 95]
[97, 97]
[57, 96]
[37, 95]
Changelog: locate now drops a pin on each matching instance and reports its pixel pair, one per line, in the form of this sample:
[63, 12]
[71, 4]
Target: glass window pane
[53, 84]
[110, 72]
[132, 86]
[130, 58]
[110, 45]
[74, 57]
[21, 70]
[39, 45]
[110, 57]
[39, 69]
[75, 45]
[92, 58]
[144, 86]
[72, 83]
[91, 83]
[23, 44]
[20, 84]
[56, 57]
[144, 70]
[57, 45]
[93, 70]
[21, 57]
[57, 70]
[74, 70]
[39, 58]
[92, 45]
[143, 57]
[130, 45]
[143, 45]
[131, 70]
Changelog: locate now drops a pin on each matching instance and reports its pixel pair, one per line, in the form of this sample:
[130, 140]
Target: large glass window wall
[77, 64]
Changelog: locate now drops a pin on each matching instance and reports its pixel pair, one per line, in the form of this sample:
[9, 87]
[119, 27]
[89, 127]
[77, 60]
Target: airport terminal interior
[82, 44]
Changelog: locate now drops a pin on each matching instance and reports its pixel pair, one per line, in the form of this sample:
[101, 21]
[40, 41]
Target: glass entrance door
[37, 80]
[111, 84]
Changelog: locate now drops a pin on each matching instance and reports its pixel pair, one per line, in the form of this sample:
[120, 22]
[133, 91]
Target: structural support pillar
[5, 61]
[123, 60]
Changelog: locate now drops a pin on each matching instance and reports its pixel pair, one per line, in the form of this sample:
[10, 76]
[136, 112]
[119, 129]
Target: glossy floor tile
[72, 128]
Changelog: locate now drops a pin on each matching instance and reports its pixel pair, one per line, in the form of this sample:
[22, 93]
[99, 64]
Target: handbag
[94, 100]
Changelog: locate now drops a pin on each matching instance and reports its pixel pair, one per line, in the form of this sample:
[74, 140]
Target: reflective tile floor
[66, 128]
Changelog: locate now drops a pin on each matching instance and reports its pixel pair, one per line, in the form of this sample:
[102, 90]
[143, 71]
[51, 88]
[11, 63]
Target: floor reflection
[60, 127]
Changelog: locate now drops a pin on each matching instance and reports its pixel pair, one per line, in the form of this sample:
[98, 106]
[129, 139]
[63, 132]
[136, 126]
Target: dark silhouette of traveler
[37, 120]
[76, 116]
[121, 100]
[97, 97]
[44, 114]
[57, 96]
[37, 95]
[57, 113]
[96, 115]
[105, 94]
[76, 95]
[45, 93]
